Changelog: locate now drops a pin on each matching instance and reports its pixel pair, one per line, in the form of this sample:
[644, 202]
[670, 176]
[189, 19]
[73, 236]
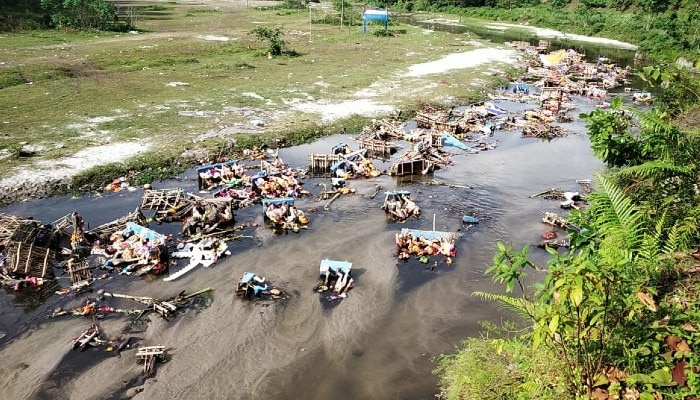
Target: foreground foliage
[619, 309]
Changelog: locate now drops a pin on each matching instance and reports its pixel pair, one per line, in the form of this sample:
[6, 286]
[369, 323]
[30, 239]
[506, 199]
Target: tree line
[17, 15]
[663, 29]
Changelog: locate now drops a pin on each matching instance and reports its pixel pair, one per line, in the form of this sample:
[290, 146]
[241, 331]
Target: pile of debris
[383, 129]
[334, 280]
[545, 131]
[421, 158]
[399, 205]
[424, 244]
[284, 215]
[253, 287]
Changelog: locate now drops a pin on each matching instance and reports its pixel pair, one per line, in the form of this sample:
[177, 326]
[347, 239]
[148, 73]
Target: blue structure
[375, 15]
[468, 219]
[335, 266]
[278, 201]
[449, 140]
[428, 235]
[206, 168]
[154, 237]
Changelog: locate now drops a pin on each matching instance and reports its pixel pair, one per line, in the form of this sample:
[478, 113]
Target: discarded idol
[335, 277]
[252, 286]
[205, 252]
[400, 206]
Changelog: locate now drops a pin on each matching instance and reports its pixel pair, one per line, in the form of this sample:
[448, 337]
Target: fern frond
[673, 241]
[654, 169]
[614, 213]
[649, 251]
[522, 307]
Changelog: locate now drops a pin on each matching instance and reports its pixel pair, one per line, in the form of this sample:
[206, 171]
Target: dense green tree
[81, 14]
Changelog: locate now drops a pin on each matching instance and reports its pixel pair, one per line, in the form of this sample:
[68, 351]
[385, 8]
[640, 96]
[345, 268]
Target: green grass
[78, 78]
[494, 369]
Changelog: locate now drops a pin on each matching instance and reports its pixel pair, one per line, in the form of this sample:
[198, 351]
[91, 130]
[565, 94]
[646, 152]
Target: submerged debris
[425, 244]
[334, 280]
[399, 205]
[251, 286]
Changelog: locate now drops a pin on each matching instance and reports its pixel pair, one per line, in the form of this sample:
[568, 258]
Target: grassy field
[195, 69]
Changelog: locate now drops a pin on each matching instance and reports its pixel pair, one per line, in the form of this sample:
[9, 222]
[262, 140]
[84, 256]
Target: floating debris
[148, 356]
[251, 286]
[425, 244]
[399, 205]
[206, 252]
[335, 279]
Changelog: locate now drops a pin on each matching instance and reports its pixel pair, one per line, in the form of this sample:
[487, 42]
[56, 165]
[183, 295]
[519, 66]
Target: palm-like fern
[655, 169]
[520, 306]
[614, 213]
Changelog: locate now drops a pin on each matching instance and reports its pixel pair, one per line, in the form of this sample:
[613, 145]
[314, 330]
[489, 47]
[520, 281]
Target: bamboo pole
[197, 293]
[327, 206]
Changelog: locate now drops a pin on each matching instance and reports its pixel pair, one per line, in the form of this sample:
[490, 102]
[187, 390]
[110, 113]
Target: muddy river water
[376, 344]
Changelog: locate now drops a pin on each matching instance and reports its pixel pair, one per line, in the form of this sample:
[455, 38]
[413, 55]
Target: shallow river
[376, 344]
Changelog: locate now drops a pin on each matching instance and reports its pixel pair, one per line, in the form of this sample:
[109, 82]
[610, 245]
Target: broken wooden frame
[148, 357]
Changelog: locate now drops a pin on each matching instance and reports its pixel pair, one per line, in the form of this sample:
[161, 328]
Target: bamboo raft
[440, 122]
[28, 259]
[8, 225]
[377, 146]
[80, 273]
[104, 231]
[323, 162]
[163, 199]
[30, 249]
[148, 357]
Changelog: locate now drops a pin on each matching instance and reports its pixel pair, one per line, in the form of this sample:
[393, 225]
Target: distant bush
[272, 37]
[81, 14]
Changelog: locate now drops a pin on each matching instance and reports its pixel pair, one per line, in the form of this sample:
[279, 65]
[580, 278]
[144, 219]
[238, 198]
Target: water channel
[377, 344]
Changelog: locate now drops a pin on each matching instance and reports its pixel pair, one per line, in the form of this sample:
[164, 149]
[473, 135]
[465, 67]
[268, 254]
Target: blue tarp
[449, 140]
[338, 165]
[335, 266]
[153, 236]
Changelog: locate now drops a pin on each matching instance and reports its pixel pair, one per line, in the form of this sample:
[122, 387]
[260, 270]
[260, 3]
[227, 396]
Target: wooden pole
[433, 222]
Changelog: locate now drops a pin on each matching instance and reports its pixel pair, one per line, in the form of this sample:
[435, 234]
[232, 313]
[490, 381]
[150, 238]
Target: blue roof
[429, 235]
[205, 168]
[338, 165]
[336, 266]
[247, 277]
[376, 15]
[281, 200]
